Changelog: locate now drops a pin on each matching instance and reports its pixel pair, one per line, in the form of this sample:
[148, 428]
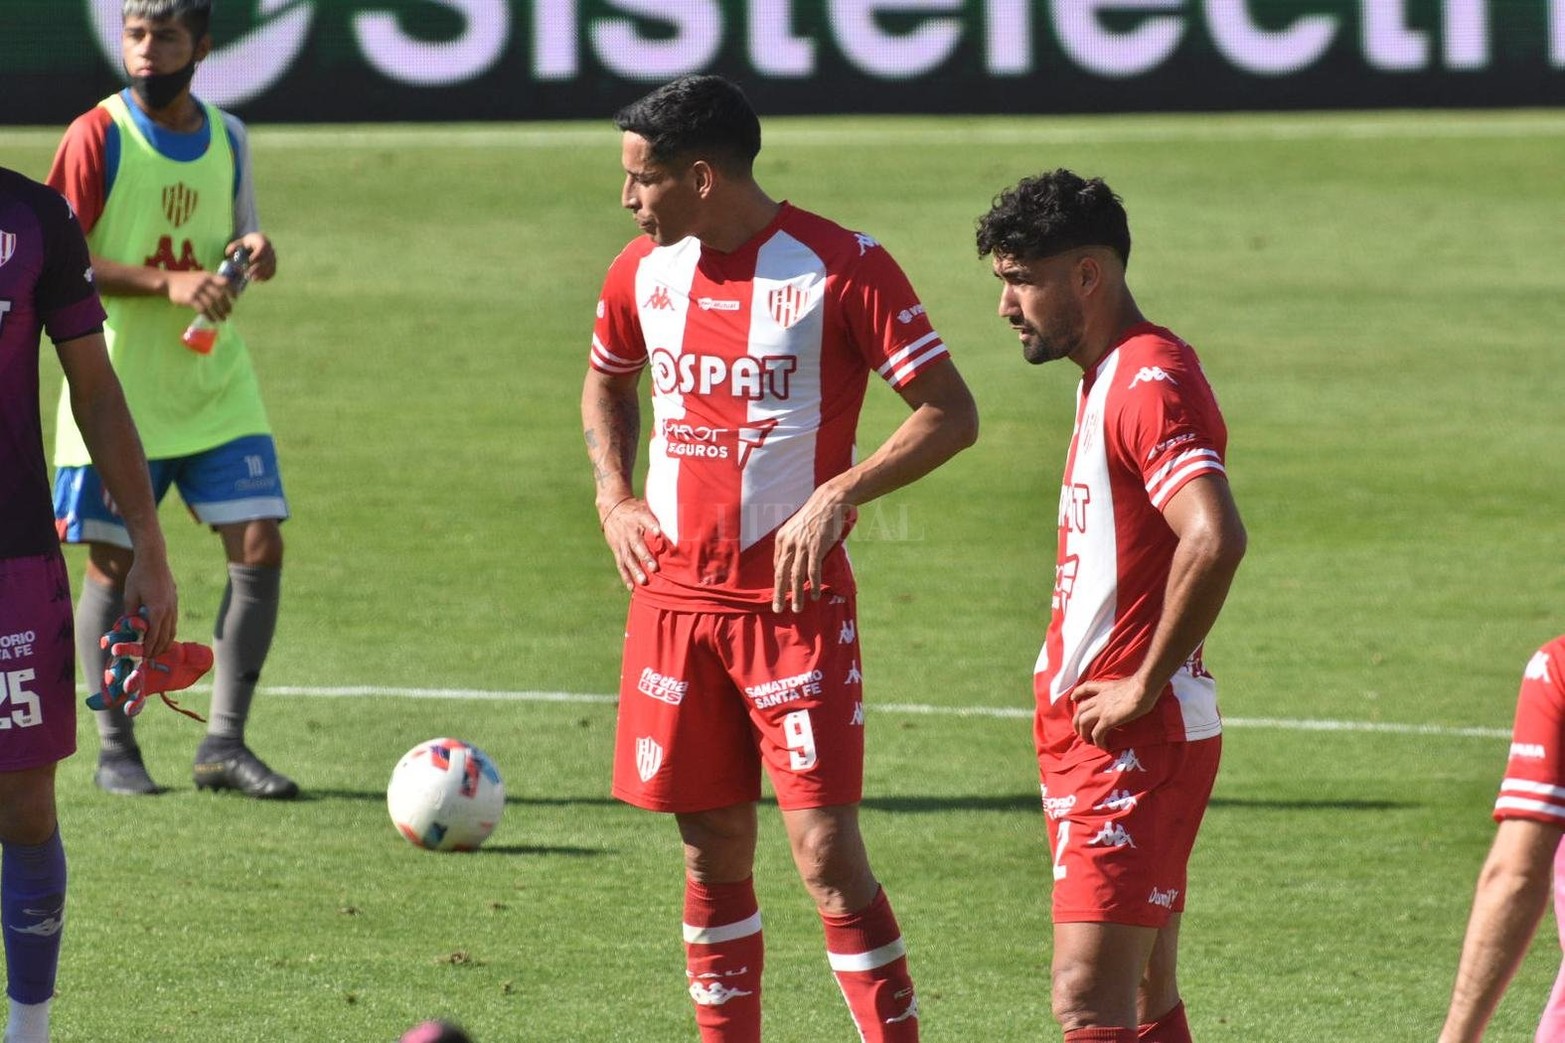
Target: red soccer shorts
[1122, 824]
[37, 663]
[706, 698]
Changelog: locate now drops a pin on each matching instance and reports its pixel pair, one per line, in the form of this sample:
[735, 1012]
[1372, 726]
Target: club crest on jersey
[179, 202]
[786, 304]
[7, 245]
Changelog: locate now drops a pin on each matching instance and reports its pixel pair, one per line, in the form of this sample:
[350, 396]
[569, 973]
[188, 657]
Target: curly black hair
[696, 117]
[1051, 213]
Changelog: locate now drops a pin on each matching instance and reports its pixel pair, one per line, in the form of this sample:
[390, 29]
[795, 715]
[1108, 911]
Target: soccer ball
[445, 795]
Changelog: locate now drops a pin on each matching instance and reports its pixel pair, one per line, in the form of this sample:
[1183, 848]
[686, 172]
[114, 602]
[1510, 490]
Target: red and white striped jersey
[1146, 424]
[759, 361]
[1534, 784]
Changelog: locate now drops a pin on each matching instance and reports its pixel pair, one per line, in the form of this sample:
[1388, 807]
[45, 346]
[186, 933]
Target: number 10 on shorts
[801, 740]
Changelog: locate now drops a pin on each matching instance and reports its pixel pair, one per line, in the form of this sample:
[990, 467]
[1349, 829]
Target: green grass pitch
[1376, 299]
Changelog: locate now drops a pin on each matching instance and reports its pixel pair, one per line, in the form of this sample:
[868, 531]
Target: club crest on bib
[179, 202]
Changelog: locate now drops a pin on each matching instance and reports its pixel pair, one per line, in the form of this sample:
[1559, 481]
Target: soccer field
[1376, 300]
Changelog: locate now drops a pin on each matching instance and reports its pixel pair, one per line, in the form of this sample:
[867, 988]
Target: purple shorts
[37, 663]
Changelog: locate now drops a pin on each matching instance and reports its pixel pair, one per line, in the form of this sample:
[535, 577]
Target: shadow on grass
[541, 849]
[1310, 805]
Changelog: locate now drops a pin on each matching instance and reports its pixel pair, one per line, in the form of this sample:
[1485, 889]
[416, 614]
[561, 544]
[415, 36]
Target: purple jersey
[45, 284]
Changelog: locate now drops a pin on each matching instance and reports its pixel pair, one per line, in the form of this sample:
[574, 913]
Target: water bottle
[201, 334]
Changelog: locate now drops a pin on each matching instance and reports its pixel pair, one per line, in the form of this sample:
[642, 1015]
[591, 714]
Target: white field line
[915, 709]
[792, 132]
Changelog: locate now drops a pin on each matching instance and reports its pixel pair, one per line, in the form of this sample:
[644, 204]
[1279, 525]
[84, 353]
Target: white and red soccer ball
[445, 795]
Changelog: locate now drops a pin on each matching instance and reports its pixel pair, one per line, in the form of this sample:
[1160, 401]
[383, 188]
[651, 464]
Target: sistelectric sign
[340, 60]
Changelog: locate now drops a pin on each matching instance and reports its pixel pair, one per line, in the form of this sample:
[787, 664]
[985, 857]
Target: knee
[833, 868]
[263, 546]
[1075, 995]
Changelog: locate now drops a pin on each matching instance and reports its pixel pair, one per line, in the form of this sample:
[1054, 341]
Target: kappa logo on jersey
[649, 757]
[662, 687]
[787, 304]
[866, 243]
[1537, 667]
[1163, 898]
[1530, 751]
[1124, 761]
[1117, 800]
[1065, 582]
[179, 202]
[659, 301]
[715, 443]
[1073, 507]
[907, 315]
[751, 377]
[1151, 374]
[164, 257]
[717, 304]
[7, 245]
[1112, 835]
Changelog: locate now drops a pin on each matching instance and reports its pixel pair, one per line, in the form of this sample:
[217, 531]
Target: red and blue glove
[132, 675]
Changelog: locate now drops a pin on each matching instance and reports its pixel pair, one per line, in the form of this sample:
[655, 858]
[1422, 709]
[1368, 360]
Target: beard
[1061, 341]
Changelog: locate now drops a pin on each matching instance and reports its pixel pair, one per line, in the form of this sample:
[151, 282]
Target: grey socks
[96, 611]
[246, 621]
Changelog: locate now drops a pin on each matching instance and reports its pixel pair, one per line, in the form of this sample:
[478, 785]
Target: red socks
[1170, 1028]
[723, 957]
[867, 956]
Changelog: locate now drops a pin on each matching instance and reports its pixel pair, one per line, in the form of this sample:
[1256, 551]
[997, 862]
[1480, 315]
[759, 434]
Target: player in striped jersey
[759, 324]
[1127, 729]
[1513, 887]
[162, 183]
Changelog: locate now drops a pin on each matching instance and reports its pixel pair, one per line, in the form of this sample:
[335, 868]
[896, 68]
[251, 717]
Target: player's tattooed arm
[611, 422]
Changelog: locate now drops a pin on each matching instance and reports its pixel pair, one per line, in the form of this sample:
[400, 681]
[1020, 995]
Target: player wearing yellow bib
[162, 185]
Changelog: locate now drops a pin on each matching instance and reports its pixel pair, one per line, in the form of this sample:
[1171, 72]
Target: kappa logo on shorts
[846, 635]
[1112, 835]
[1118, 800]
[649, 757]
[1163, 898]
[1126, 760]
[857, 720]
[854, 676]
[662, 687]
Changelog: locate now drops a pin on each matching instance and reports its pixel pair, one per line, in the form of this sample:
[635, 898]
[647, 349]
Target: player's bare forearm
[611, 422]
[1212, 542]
[611, 418]
[1512, 893]
[944, 421]
[117, 279]
[98, 406]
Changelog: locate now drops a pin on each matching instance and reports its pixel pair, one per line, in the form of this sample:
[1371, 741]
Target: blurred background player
[760, 323]
[162, 184]
[1127, 729]
[1513, 887]
[46, 284]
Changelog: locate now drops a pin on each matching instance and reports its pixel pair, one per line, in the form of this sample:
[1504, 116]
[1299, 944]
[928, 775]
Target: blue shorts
[236, 482]
[37, 663]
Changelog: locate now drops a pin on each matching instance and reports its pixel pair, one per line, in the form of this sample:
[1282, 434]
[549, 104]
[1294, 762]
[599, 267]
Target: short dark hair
[1052, 213]
[196, 15]
[696, 117]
